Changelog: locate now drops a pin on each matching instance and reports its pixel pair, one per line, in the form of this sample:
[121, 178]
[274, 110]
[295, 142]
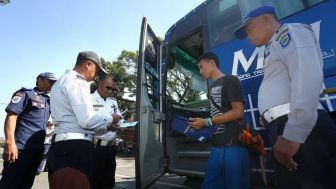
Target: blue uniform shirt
[33, 109]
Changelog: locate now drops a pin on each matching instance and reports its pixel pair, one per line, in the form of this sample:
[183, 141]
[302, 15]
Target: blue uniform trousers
[228, 167]
[21, 173]
[315, 157]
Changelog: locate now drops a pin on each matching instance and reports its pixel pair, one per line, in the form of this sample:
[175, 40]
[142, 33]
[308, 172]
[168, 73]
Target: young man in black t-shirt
[228, 164]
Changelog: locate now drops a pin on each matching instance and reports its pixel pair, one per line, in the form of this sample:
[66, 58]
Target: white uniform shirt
[71, 106]
[106, 107]
[293, 74]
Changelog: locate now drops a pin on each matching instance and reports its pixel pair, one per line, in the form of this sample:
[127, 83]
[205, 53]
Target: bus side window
[185, 85]
[283, 8]
[223, 17]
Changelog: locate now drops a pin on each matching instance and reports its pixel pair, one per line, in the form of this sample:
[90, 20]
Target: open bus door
[149, 152]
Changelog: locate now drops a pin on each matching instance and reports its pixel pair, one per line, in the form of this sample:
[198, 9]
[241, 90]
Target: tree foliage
[179, 87]
[124, 71]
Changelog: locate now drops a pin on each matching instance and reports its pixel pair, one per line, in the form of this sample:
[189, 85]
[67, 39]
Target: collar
[75, 73]
[275, 33]
[97, 96]
[279, 27]
[38, 91]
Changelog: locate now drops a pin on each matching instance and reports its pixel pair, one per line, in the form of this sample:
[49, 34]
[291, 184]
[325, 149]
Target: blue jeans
[228, 167]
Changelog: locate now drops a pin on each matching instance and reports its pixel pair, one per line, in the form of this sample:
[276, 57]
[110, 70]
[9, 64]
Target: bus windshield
[224, 16]
[185, 84]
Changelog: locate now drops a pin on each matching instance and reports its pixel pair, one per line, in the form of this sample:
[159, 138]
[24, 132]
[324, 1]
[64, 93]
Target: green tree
[179, 87]
[124, 71]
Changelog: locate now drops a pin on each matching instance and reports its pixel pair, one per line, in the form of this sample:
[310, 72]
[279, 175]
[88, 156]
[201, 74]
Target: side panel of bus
[240, 58]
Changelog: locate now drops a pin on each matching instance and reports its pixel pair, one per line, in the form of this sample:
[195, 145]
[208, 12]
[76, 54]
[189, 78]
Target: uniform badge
[16, 99]
[96, 107]
[284, 40]
[37, 97]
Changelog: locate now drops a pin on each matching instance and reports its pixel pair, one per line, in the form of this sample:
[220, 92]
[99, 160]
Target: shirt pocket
[37, 104]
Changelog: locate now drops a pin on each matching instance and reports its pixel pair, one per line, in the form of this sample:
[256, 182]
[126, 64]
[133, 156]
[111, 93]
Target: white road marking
[170, 184]
[124, 176]
[130, 165]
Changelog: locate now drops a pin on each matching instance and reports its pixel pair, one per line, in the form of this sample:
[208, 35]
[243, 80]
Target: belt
[104, 143]
[73, 136]
[272, 114]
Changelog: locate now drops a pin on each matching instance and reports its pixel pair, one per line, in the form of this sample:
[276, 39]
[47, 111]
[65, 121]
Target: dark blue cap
[92, 56]
[47, 75]
[240, 32]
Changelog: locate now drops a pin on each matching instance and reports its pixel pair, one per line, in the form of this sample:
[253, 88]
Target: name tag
[38, 104]
[96, 107]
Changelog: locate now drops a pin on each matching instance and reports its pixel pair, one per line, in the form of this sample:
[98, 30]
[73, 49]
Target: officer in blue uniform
[301, 133]
[25, 125]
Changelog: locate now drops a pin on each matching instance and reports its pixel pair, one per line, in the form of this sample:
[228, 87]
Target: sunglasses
[110, 88]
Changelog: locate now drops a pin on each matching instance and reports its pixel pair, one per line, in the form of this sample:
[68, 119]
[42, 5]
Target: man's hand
[284, 150]
[116, 118]
[10, 153]
[196, 123]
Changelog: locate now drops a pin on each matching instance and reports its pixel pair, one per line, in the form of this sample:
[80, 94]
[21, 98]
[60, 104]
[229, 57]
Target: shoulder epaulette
[25, 89]
[112, 98]
[21, 92]
[78, 76]
[308, 27]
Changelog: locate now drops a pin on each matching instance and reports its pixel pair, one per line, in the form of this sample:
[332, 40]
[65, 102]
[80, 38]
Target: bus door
[149, 136]
[186, 97]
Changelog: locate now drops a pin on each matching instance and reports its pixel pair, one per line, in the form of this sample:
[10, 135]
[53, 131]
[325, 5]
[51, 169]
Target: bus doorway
[186, 96]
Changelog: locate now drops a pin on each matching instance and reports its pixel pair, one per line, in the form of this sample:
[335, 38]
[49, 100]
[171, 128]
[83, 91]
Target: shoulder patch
[284, 40]
[16, 99]
[281, 33]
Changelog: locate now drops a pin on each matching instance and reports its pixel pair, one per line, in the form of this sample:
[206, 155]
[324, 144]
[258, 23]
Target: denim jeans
[228, 167]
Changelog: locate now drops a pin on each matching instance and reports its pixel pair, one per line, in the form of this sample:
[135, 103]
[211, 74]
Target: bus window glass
[184, 83]
[151, 69]
[283, 8]
[313, 2]
[224, 16]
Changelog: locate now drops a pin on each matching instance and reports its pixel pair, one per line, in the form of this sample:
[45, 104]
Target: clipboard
[180, 124]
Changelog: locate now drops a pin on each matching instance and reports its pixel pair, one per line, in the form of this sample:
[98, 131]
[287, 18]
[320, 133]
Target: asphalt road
[125, 177]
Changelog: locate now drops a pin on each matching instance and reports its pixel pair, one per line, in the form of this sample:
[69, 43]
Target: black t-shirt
[223, 91]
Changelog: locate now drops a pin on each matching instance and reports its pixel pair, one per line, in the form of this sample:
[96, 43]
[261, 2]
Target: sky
[38, 35]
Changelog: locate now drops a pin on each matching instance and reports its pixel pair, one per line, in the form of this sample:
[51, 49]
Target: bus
[169, 84]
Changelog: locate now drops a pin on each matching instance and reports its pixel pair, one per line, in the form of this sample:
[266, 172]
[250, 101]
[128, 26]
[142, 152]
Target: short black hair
[209, 56]
[104, 76]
